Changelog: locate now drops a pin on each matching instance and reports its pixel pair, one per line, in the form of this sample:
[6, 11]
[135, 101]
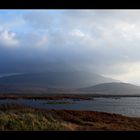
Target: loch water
[128, 106]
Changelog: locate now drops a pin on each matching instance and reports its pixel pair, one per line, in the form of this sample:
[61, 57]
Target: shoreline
[17, 117]
[60, 96]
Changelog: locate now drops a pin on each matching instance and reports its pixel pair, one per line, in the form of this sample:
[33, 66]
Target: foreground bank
[15, 117]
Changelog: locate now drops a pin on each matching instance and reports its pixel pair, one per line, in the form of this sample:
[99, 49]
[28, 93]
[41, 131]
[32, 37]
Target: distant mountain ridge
[75, 79]
[65, 82]
[114, 88]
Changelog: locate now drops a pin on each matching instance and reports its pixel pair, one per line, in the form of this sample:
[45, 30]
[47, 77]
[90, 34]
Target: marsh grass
[29, 121]
[14, 117]
[22, 118]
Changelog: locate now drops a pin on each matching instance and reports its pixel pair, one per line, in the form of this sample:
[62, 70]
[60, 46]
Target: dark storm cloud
[103, 41]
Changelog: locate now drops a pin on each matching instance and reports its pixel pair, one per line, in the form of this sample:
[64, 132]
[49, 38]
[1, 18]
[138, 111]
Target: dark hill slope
[74, 79]
[113, 88]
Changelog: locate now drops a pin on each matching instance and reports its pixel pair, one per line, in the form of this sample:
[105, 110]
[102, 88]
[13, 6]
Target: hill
[50, 81]
[113, 88]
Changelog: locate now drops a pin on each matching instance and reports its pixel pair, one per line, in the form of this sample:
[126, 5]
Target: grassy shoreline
[60, 96]
[45, 96]
[21, 118]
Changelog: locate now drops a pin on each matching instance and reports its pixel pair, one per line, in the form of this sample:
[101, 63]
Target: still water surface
[129, 106]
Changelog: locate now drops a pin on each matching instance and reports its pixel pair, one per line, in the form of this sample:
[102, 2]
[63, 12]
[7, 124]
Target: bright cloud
[8, 39]
[77, 33]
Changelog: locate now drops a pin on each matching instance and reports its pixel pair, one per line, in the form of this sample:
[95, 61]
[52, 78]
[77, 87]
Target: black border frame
[64, 135]
[69, 4]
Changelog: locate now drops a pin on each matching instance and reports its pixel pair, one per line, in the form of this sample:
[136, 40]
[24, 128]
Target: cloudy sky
[106, 42]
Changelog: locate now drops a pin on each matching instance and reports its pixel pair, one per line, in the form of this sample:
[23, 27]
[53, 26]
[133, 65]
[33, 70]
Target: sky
[106, 42]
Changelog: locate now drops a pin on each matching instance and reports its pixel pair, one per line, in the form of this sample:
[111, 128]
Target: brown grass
[45, 96]
[17, 117]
